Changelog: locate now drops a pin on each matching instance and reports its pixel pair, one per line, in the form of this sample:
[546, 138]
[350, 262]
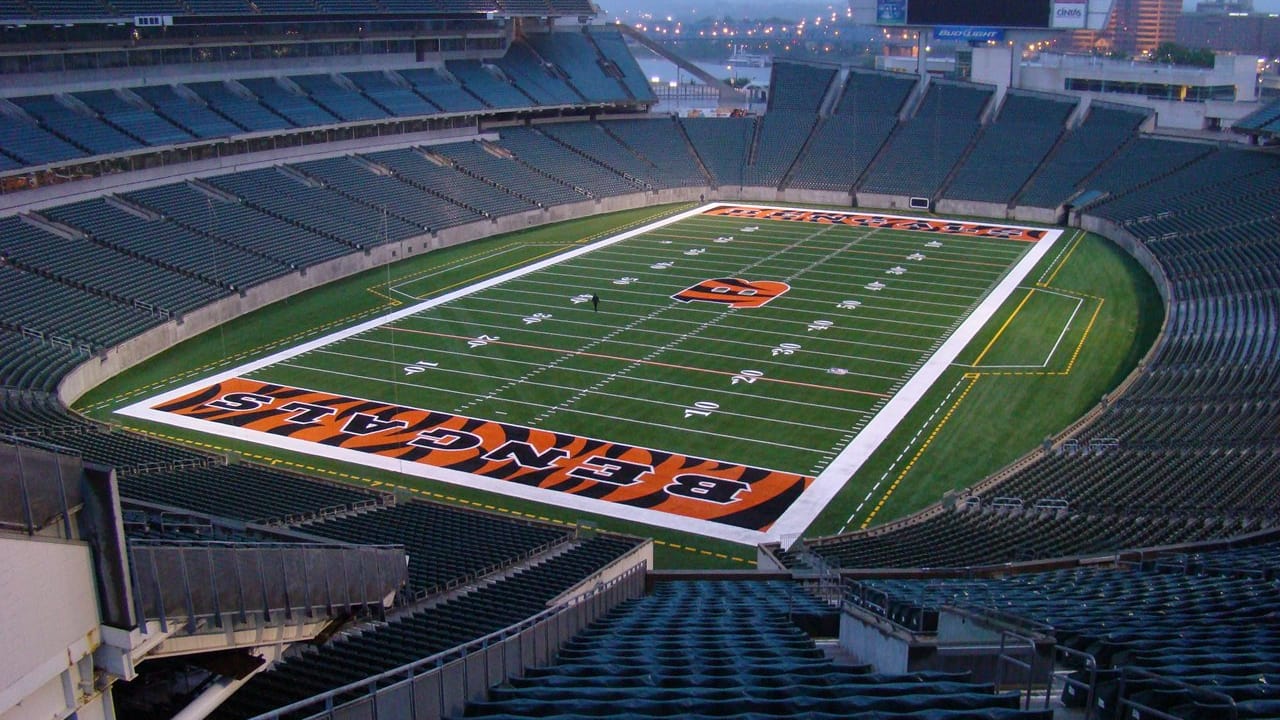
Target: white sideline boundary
[792, 522]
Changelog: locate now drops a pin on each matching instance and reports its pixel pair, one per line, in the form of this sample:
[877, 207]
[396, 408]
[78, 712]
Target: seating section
[250, 493]
[661, 143]
[841, 149]
[1244, 560]
[799, 88]
[845, 143]
[298, 109]
[539, 82]
[29, 144]
[194, 117]
[877, 93]
[920, 154]
[397, 97]
[100, 269]
[617, 56]
[344, 103]
[355, 179]
[169, 245]
[991, 536]
[66, 315]
[140, 123]
[84, 129]
[1142, 161]
[442, 540]
[779, 137]
[39, 419]
[1205, 630]
[536, 150]
[1265, 119]
[1010, 149]
[258, 239]
[550, 69]
[723, 145]
[593, 141]
[443, 179]
[1101, 134]
[586, 71]
[484, 82]
[29, 362]
[442, 91]
[412, 637]
[246, 112]
[503, 170]
[718, 648]
[315, 207]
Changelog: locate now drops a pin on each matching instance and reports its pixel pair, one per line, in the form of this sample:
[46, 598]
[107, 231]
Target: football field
[722, 372]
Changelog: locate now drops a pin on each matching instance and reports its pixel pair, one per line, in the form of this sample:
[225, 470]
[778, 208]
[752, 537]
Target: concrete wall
[1136, 250]
[641, 555]
[49, 630]
[995, 211]
[897, 203]
[871, 639]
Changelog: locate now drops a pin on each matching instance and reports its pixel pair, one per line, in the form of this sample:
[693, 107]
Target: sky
[737, 7]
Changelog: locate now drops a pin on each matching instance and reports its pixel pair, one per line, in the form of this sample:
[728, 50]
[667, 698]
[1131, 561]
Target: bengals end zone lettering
[736, 495]
[734, 292]
[944, 227]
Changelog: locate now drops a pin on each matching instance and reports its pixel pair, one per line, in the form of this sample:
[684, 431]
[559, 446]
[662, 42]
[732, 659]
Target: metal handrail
[1091, 688]
[1004, 658]
[475, 575]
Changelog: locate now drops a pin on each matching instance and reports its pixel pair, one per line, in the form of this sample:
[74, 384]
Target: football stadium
[381, 359]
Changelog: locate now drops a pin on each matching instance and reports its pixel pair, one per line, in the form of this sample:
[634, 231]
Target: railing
[441, 685]
[45, 485]
[163, 466]
[1025, 646]
[1089, 664]
[324, 513]
[475, 575]
[198, 581]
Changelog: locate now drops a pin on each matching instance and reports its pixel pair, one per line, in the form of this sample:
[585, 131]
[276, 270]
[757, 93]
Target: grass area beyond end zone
[989, 409]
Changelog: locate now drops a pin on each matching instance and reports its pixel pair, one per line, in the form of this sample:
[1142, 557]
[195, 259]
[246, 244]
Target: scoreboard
[1036, 14]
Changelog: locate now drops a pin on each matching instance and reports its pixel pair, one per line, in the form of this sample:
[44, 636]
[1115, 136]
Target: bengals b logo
[735, 292]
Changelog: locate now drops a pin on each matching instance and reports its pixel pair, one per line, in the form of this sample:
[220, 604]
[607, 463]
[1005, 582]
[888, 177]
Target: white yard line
[553, 386]
[1052, 351]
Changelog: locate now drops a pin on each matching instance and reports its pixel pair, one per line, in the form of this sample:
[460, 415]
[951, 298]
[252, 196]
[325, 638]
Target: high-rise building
[1135, 27]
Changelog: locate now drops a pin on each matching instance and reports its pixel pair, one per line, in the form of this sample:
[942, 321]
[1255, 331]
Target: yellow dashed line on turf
[698, 551]
[973, 380]
[1075, 354]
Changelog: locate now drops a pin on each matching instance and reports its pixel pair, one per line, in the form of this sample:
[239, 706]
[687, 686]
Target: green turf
[631, 371]
[1000, 416]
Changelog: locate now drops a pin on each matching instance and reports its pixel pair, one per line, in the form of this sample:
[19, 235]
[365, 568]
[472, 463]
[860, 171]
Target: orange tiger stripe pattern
[734, 292]
[942, 227]
[692, 487]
